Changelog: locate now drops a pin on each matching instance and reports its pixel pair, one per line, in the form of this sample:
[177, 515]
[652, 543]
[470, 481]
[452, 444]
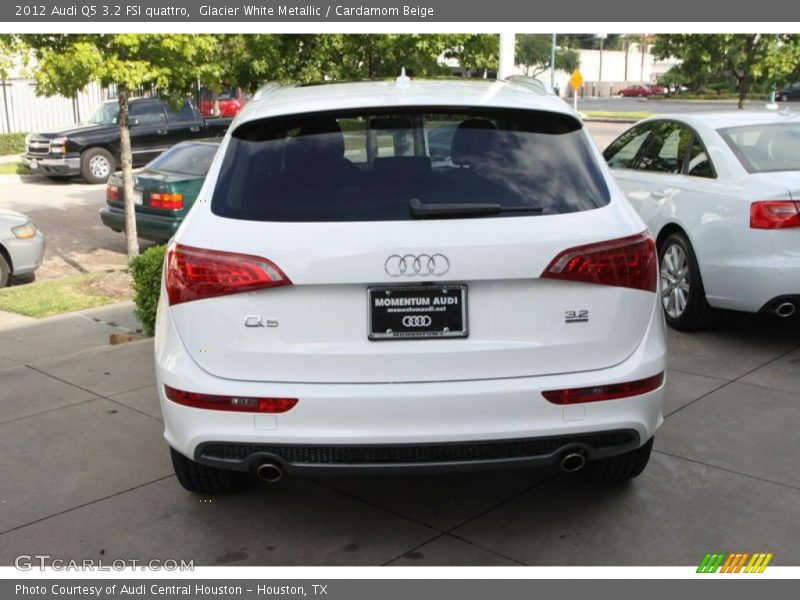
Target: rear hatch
[363, 292]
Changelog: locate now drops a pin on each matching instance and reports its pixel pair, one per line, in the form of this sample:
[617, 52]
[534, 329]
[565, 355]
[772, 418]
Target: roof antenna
[403, 81]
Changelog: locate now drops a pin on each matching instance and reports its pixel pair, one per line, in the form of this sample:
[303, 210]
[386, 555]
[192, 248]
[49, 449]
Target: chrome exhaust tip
[269, 472]
[572, 462]
[785, 309]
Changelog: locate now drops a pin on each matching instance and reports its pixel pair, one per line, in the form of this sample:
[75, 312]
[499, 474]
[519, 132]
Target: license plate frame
[138, 197]
[445, 315]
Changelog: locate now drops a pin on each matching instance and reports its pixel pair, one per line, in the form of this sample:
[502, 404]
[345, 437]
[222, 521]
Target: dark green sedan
[164, 190]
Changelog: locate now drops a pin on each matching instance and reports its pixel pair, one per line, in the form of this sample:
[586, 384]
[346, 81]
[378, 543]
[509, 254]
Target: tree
[8, 45]
[534, 52]
[474, 52]
[167, 64]
[741, 59]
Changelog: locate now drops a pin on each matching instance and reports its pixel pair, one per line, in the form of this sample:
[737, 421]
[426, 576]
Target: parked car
[641, 91]
[92, 149]
[164, 191]
[227, 103]
[721, 194]
[656, 90]
[344, 303]
[21, 246]
[789, 93]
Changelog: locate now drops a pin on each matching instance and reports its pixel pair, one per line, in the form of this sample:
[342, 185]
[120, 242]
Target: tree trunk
[131, 238]
[744, 88]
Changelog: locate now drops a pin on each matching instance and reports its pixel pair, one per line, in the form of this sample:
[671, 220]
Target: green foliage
[474, 52]
[534, 52]
[146, 271]
[12, 143]
[7, 48]
[722, 62]
[169, 63]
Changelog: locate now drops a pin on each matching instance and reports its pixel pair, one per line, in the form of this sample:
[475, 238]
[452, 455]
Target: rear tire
[681, 290]
[5, 272]
[97, 165]
[202, 479]
[621, 467]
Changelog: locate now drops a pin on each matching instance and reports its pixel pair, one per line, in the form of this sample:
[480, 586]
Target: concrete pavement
[86, 473]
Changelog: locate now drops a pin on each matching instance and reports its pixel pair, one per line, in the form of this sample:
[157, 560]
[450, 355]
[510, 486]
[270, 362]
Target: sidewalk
[88, 473]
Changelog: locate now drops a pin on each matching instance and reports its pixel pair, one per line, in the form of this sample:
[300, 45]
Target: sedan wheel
[682, 294]
[674, 281]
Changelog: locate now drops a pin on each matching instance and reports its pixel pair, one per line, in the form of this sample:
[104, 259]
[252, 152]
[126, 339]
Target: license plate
[137, 197]
[33, 165]
[417, 311]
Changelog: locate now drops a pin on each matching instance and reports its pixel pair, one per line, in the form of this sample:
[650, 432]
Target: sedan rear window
[187, 159]
[373, 165]
[765, 148]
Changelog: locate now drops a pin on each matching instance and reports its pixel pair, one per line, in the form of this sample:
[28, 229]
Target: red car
[656, 90]
[220, 104]
[641, 91]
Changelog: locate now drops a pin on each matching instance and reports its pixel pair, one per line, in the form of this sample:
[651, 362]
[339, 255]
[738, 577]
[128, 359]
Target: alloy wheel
[674, 280]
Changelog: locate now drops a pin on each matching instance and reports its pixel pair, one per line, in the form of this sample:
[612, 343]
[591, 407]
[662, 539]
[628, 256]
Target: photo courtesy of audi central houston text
[408, 276]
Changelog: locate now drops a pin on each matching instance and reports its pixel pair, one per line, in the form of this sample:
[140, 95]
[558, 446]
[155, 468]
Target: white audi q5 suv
[408, 275]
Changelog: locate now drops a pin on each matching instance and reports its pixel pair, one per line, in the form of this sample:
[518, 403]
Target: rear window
[186, 159]
[765, 148]
[370, 165]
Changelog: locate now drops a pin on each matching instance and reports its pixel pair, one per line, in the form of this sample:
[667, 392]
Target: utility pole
[506, 56]
[602, 37]
[553, 64]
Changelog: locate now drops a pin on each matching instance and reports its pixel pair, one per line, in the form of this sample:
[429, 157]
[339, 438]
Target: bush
[146, 271]
[12, 143]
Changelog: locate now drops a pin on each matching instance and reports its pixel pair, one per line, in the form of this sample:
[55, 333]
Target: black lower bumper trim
[434, 456]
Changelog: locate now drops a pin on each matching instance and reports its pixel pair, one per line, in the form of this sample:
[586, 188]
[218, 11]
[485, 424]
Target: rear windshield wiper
[419, 210]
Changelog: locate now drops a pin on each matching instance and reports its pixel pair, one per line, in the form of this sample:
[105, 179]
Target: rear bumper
[52, 166]
[752, 282]
[149, 227]
[447, 425]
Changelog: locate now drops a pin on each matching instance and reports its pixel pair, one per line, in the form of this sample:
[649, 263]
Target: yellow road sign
[576, 79]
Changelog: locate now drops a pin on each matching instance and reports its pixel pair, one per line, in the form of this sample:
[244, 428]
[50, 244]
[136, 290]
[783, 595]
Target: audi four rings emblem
[417, 321]
[410, 265]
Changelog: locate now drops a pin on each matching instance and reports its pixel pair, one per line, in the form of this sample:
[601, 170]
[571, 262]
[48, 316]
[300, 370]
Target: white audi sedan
[339, 299]
[720, 192]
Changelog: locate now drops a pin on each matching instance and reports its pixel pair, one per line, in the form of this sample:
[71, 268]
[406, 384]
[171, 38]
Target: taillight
[112, 192]
[774, 214]
[165, 201]
[234, 403]
[625, 262]
[196, 273]
[605, 392]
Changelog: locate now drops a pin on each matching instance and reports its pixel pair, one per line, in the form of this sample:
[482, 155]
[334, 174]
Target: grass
[12, 143]
[56, 296]
[14, 168]
[608, 114]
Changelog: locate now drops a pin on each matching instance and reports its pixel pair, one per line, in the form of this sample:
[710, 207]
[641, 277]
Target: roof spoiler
[266, 89]
[529, 83]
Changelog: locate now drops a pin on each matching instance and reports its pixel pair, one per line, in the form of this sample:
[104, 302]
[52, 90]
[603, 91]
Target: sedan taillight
[165, 200]
[197, 273]
[629, 262]
[774, 214]
[112, 192]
